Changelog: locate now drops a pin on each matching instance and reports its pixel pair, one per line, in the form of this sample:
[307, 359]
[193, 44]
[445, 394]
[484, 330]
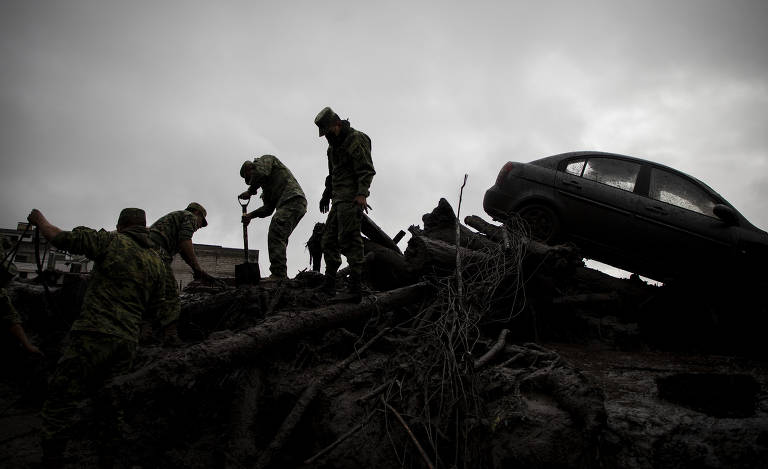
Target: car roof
[551, 162]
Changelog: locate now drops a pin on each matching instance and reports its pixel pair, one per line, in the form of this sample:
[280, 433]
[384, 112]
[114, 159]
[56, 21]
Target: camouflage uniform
[281, 194]
[167, 233]
[350, 172]
[127, 282]
[8, 313]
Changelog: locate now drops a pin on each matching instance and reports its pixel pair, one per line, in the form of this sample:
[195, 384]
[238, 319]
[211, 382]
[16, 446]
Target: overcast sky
[153, 104]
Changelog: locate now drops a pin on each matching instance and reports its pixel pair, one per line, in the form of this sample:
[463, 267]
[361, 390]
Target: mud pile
[500, 352]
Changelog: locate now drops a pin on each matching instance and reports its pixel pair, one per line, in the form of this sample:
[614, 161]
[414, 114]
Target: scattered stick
[375, 392]
[340, 440]
[497, 347]
[304, 401]
[410, 433]
[458, 243]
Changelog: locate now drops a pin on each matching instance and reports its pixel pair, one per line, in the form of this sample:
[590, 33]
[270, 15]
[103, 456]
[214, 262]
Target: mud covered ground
[526, 361]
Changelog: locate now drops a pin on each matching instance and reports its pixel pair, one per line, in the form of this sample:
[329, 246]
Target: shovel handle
[243, 205]
[245, 227]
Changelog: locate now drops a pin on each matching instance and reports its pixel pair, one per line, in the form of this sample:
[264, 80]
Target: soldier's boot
[354, 291]
[171, 336]
[277, 278]
[329, 282]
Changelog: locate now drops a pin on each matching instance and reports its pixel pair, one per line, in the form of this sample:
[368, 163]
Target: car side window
[575, 167]
[676, 190]
[613, 172]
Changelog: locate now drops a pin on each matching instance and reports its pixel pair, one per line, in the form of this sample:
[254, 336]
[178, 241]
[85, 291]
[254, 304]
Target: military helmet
[325, 118]
[132, 217]
[194, 206]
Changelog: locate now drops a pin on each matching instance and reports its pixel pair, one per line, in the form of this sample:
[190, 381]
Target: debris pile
[474, 348]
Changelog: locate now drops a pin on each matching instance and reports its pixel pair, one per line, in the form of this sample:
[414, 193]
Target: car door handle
[656, 209]
[575, 184]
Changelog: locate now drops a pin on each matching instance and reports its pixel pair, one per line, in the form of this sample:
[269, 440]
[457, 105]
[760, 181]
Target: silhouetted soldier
[172, 233]
[350, 172]
[127, 282]
[281, 195]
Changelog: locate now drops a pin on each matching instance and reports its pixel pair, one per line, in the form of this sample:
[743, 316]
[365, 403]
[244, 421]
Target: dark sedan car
[631, 213]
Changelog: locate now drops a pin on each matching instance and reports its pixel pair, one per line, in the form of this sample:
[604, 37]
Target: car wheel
[542, 221]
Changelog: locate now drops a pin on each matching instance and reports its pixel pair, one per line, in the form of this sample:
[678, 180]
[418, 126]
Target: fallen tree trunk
[182, 368]
[441, 224]
[424, 253]
[373, 232]
[385, 268]
[534, 247]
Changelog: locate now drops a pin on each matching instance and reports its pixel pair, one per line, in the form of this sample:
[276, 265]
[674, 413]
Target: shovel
[246, 273]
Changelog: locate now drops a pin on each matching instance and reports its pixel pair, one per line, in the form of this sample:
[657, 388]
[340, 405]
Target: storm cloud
[105, 105]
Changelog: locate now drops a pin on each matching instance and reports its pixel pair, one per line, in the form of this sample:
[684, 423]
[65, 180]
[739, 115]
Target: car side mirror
[726, 214]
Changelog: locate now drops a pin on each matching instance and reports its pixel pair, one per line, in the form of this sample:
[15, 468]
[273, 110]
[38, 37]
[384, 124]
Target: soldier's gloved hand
[362, 203]
[325, 205]
[245, 195]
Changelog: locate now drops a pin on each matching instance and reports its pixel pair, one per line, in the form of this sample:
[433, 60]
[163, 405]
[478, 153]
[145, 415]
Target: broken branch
[497, 347]
[410, 433]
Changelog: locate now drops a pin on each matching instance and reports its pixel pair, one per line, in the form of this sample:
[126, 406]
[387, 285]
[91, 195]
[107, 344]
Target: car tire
[543, 223]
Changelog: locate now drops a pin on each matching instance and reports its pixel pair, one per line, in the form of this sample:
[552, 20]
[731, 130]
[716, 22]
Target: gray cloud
[155, 104]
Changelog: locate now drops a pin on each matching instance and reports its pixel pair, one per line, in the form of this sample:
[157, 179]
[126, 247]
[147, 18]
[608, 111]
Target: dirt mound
[499, 352]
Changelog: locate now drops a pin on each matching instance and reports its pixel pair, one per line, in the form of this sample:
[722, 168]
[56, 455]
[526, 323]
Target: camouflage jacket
[350, 167]
[7, 268]
[8, 313]
[127, 281]
[277, 184]
[171, 229]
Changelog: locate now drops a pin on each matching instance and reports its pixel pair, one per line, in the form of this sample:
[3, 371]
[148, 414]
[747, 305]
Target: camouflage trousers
[284, 221]
[342, 236]
[88, 361]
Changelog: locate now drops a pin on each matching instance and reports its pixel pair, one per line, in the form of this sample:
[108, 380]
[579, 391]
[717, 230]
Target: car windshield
[613, 172]
[676, 190]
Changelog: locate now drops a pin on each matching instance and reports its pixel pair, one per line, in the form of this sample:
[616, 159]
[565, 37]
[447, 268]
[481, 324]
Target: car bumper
[497, 204]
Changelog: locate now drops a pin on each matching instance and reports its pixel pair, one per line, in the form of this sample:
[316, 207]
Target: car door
[682, 228]
[597, 193]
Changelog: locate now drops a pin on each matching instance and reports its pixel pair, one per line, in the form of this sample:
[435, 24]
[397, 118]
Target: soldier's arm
[18, 331]
[328, 192]
[363, 166]
[187, 251]
[263, 211]
[83, 240]
[48, 230]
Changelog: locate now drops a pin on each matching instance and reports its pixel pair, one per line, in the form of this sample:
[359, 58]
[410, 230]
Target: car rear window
[681, 192]
[613, 172]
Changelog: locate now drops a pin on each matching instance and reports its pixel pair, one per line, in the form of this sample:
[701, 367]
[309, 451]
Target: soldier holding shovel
[282, 195]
